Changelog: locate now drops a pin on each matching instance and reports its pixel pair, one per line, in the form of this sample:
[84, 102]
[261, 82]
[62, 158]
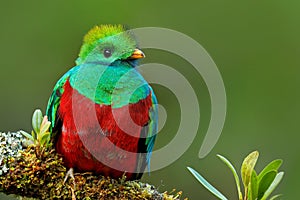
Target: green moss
[40, 175]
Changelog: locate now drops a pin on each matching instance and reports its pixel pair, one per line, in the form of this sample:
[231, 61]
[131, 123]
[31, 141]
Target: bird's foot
[70, 173]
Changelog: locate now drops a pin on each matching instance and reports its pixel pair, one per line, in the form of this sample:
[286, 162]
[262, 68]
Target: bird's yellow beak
[137, 54]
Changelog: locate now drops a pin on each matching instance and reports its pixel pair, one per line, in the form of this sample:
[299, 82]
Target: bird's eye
[107, 53]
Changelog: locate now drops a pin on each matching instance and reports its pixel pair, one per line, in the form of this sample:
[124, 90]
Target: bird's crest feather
[95, 34]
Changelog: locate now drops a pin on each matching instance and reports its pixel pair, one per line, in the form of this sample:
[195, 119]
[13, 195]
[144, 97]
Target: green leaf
[254, 186]
[272, 166]
[236, 177]
[275, 196]
[265, 183]
[45, 138]
[274, 184]
[207, 185]
[247, 168]
[37, 120]
[249, 195]
[45, 127]
[27, 135]
[34, 136]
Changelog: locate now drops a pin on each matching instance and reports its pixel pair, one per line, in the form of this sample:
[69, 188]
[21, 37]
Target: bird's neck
[110, 85]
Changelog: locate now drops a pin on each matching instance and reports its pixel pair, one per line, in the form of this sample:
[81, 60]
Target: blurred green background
[255, 44]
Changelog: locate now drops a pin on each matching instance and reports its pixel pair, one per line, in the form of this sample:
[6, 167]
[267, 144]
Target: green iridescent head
[107, 43]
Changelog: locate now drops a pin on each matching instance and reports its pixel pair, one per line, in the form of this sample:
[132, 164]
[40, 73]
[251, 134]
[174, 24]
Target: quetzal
[103, 112]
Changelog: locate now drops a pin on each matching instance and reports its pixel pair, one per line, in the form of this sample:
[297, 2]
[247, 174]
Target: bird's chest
[84, 116]
[99, 132]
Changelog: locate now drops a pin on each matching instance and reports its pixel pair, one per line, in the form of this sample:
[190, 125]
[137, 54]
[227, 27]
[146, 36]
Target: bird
[103, 112]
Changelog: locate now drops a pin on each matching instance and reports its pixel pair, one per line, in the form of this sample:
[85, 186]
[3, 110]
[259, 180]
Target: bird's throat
[110, 85]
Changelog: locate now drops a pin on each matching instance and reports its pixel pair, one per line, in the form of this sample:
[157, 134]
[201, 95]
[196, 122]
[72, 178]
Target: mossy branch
[42, 176]
[30, 167]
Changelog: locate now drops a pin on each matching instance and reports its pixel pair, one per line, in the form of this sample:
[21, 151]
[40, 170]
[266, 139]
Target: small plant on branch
[40, 135]
[256, 186]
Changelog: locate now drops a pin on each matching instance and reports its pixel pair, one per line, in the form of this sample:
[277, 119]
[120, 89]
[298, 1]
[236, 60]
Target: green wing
[54, 100]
